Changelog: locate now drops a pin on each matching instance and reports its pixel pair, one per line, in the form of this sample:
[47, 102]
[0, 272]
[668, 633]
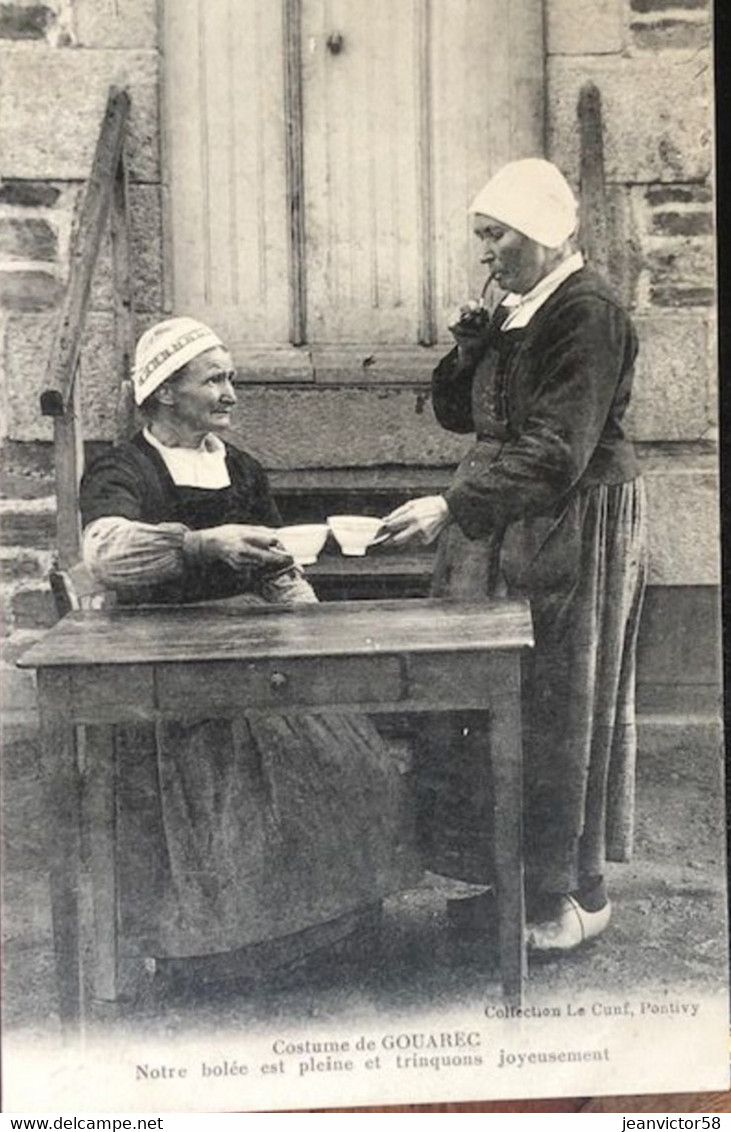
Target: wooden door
[226, 165]
[321, 157]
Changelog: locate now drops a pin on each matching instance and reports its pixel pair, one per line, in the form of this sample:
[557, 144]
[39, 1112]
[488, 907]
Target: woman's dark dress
[235, 832]
[547, 504]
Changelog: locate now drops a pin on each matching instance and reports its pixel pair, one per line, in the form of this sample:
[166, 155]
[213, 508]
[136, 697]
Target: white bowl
[304, 541]
[355, 533]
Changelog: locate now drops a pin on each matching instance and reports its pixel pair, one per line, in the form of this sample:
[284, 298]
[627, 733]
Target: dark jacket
[547, 404]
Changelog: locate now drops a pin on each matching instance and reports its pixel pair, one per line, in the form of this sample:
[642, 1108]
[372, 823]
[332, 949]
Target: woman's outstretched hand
[420, 519]
[240, 545]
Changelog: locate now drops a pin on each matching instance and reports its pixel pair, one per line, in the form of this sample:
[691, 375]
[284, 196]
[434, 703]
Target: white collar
[204, 466]
[209, 443]
[522, 307]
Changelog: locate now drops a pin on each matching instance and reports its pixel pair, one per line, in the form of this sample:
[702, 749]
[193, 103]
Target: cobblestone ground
[668, 930]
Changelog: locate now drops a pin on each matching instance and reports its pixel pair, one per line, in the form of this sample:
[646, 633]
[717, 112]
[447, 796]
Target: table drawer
[228, 686]
[469, 680]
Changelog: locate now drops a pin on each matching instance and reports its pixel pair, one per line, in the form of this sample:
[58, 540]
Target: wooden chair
[75, 589]
[106, 199]
[73, 586]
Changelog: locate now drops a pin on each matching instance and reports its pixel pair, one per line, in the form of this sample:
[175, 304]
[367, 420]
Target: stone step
[28, 523]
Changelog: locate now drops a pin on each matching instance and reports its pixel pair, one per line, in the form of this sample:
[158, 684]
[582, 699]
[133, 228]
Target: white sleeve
[123, 552]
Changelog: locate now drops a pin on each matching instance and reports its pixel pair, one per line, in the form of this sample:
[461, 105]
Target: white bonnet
[533, 197]
[165, 348]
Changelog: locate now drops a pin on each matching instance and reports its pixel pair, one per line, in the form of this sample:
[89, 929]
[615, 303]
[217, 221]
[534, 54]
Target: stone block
[680, 637]
[657, 118]
[684, 534]
[29, 525]
[681, 272]
[34, 609]
[145, 251]
[20, 703]
[25, 21]
[695, 740]
[30, 20]
[679, 295]
[29, 194]
[670, 35]
[342, 427]
[683, 258]
[131, 24]
[674, 392]
[672, 223]
[376, 363]
[51, 108]
[27, 349]
[584, 27]
[26, 471]
[665, 5]
[6, 619]
[21, 566]
[27, 238]
[4, 316]
[29, 290]
[658, 195]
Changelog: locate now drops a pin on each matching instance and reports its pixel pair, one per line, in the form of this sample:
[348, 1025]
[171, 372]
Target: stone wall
[652, 63]
[58, 60]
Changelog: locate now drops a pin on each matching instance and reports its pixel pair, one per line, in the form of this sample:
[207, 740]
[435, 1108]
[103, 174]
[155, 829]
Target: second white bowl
[355, 533]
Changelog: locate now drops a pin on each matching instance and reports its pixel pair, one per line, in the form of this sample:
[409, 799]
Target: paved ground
[668, 929]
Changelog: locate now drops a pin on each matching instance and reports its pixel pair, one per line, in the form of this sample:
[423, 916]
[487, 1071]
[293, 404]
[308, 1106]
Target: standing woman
[548, 504]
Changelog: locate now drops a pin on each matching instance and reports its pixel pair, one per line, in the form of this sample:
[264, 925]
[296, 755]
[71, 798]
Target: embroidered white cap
[533, 197]
[165, 348]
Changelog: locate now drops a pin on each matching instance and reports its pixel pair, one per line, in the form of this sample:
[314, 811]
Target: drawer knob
[278, 680]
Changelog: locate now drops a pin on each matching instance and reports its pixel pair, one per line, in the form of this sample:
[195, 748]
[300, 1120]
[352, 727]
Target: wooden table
[97, 669]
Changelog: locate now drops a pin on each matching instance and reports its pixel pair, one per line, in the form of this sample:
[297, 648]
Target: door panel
[361, 196]
[225, 102]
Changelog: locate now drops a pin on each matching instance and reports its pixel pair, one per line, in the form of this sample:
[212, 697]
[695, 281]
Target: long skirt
[584, 573]
[237, 832]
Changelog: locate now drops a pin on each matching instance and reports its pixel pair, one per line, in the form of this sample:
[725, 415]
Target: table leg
[62, 788]
[507, 774]
[99, 806]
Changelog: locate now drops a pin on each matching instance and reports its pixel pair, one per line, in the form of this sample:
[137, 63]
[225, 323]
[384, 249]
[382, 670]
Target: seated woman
[231, 831]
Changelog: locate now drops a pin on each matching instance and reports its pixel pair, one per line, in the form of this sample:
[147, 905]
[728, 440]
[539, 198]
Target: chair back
[75, 589]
